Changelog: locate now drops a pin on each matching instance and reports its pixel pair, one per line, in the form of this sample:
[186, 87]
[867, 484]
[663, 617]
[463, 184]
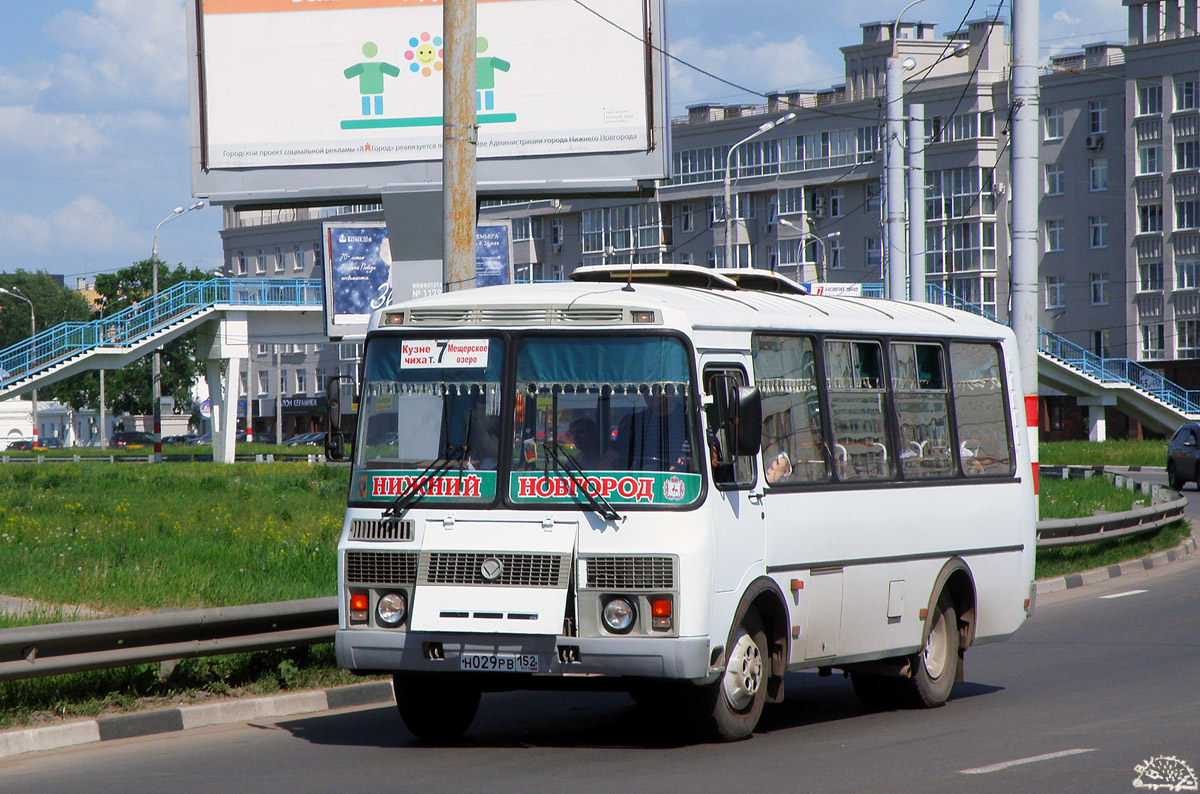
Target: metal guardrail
[299, 457]
[131, 325]
[1166, 506]
[57, 648]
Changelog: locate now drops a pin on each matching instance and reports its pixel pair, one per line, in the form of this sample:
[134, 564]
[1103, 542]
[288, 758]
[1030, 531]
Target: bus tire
[732, 706]
[435, 708]
[935, 666]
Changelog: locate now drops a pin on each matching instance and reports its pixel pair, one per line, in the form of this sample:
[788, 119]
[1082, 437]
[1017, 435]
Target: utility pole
[460, 133]
[1023, 275]
[916, 203]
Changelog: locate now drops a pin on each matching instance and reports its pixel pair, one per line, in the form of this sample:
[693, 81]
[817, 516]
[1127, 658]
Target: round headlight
[619, 615]
[391, 609]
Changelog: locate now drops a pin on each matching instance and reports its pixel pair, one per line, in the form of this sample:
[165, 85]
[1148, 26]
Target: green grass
[1103, 453]
[188, 535]
[1080, 498]
[1073, 559]
[142, 451]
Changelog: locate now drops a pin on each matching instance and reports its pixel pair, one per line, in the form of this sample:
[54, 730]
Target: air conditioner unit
[556, 248]
[1094, 142]
[819, 206]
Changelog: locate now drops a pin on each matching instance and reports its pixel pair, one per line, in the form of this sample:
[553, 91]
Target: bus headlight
[619, 615]
[391, 609]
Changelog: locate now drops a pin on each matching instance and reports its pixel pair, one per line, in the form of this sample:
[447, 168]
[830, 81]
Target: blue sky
[94, 113]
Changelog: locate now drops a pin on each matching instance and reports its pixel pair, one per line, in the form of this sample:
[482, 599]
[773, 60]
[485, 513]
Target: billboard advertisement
[364, 85]
[360, 275]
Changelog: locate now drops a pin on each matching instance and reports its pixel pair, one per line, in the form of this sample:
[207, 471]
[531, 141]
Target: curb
[146, 723]
[1156, 560]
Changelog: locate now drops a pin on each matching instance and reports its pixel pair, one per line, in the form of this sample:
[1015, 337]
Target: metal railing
[1165, 507]
[134, 324]
[1106, 370]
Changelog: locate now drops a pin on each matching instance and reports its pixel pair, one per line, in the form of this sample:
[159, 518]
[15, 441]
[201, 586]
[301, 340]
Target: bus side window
[984, 435]
[922, 410]
[793, 445]
[730, 470]
[854, 377]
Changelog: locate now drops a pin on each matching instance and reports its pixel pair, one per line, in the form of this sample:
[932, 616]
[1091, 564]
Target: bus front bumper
[376, 651]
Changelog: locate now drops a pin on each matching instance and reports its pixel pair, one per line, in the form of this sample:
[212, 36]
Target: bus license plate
[499, 662]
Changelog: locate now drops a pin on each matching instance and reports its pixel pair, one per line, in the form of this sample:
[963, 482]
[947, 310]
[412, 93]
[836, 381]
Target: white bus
[683, 483]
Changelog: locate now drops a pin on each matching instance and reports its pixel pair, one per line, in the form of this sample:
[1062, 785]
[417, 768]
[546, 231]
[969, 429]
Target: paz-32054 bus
[684, 484]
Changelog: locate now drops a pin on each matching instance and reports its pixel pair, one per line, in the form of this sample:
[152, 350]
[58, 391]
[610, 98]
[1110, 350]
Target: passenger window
[854, 376]
[792, 440]
[729, 470]
[985, 440]
[922, 410]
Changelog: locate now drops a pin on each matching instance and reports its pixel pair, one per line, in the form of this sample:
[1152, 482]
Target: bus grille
[519, 570]
[381, 567]
[631, 573]
[362, 529]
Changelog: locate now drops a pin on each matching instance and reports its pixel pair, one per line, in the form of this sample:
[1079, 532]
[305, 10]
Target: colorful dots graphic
[425, 54]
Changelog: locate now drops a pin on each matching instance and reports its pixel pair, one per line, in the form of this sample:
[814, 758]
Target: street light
[16, 293]
[767, 127]
[894, 169]
[820, 241]
[155, 358]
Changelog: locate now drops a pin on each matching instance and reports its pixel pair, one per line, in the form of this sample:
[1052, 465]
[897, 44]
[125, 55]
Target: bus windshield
[430, 404]
[614, 412]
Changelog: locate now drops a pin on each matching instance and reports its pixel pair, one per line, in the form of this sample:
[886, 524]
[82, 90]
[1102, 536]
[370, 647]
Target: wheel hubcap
[743, 673]
[934, 653]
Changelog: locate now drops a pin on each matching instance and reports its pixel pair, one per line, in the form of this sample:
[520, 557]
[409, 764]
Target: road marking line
[1126, 593]
[983, 770]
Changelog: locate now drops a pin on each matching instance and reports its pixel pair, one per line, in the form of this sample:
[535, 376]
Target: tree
[52, 302]
[128, 390]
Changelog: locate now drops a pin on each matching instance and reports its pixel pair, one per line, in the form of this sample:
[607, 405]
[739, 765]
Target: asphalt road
[1102, 680]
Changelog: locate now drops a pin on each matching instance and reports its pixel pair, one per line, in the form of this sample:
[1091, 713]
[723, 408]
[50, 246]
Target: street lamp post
[894, 113]
[16, 293]
[818, 239]
[156, 357]
[767, 127]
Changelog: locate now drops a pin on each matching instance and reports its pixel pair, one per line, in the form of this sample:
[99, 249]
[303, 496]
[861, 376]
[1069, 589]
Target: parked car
[302, 439]
[180, 439]
[49, 443]
[21, 444]
[131, 439]
[1181, 455]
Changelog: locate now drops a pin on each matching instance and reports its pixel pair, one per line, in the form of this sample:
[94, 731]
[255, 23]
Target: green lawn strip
[141, 452]
[1081, 498]
[1102, 453]
[1073, 559]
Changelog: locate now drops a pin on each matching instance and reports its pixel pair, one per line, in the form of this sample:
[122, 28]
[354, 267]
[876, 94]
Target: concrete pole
[459, 136]
[103, 415]
[894, 92]
[278, 398]
[916, 203]
[249, 399]
[1024, 268]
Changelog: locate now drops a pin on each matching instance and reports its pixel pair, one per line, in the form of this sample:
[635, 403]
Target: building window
[1187, 154]
[556, 231]
[241, 263]
[1150, 218]
[833, 250]
[301, 381]
[1187, 275]
[743, 205]
[264, 381]
[1098, 174]
[527, 228]
[1152, 341]
[1185, 94]
[1097, 117]
[1187, 338]
[1054, 123]
[1054, 235]
[1150, 277]
[1100, 343]
[1055, 180]
[244, 383]
[1097, 231]
[1099, 285]
[835, 202]
[1187, 214]
[260, 262]
[316, 251]
[264, 350]
[556, 272]
[1149, 160]
[874, 249]
[297, 258]
[1149, 100]
[871, 193]
[280, 260]
[1055, 292]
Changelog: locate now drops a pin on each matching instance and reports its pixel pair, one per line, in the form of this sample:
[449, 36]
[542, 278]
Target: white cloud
[1065, 18]
[756, 63]
[85, 224]
[60, 135]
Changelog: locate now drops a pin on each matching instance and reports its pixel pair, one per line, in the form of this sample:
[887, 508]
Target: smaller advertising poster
[358, 265]
[493, 255]
[444, 354]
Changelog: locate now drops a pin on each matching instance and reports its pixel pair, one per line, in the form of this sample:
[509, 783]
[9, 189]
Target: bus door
[736, 507]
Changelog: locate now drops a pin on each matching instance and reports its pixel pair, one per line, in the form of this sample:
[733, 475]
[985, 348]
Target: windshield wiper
[416, 492]
[597, 502]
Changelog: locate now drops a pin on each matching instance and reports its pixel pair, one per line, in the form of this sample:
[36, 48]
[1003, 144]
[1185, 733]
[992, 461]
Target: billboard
[361, 274]
[555, 80]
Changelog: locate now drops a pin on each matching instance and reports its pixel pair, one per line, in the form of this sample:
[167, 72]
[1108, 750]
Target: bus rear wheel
[436, 708]
[935, 666]
[733, 705]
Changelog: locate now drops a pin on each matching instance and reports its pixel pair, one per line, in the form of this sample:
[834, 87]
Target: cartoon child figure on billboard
[370, 76]
[485, 75]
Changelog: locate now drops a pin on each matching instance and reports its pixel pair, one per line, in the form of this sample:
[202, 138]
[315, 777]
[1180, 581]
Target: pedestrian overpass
[228, 312]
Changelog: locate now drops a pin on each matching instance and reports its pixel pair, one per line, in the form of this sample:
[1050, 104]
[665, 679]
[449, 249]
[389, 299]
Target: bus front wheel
[436, 708]
[732, 706]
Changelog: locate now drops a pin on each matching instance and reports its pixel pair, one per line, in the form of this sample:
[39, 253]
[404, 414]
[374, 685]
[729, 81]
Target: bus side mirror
[747, 421]
[335, 442]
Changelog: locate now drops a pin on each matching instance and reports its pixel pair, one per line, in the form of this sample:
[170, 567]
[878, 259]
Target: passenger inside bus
[779, 468]
[654, 438]
[589, 451]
